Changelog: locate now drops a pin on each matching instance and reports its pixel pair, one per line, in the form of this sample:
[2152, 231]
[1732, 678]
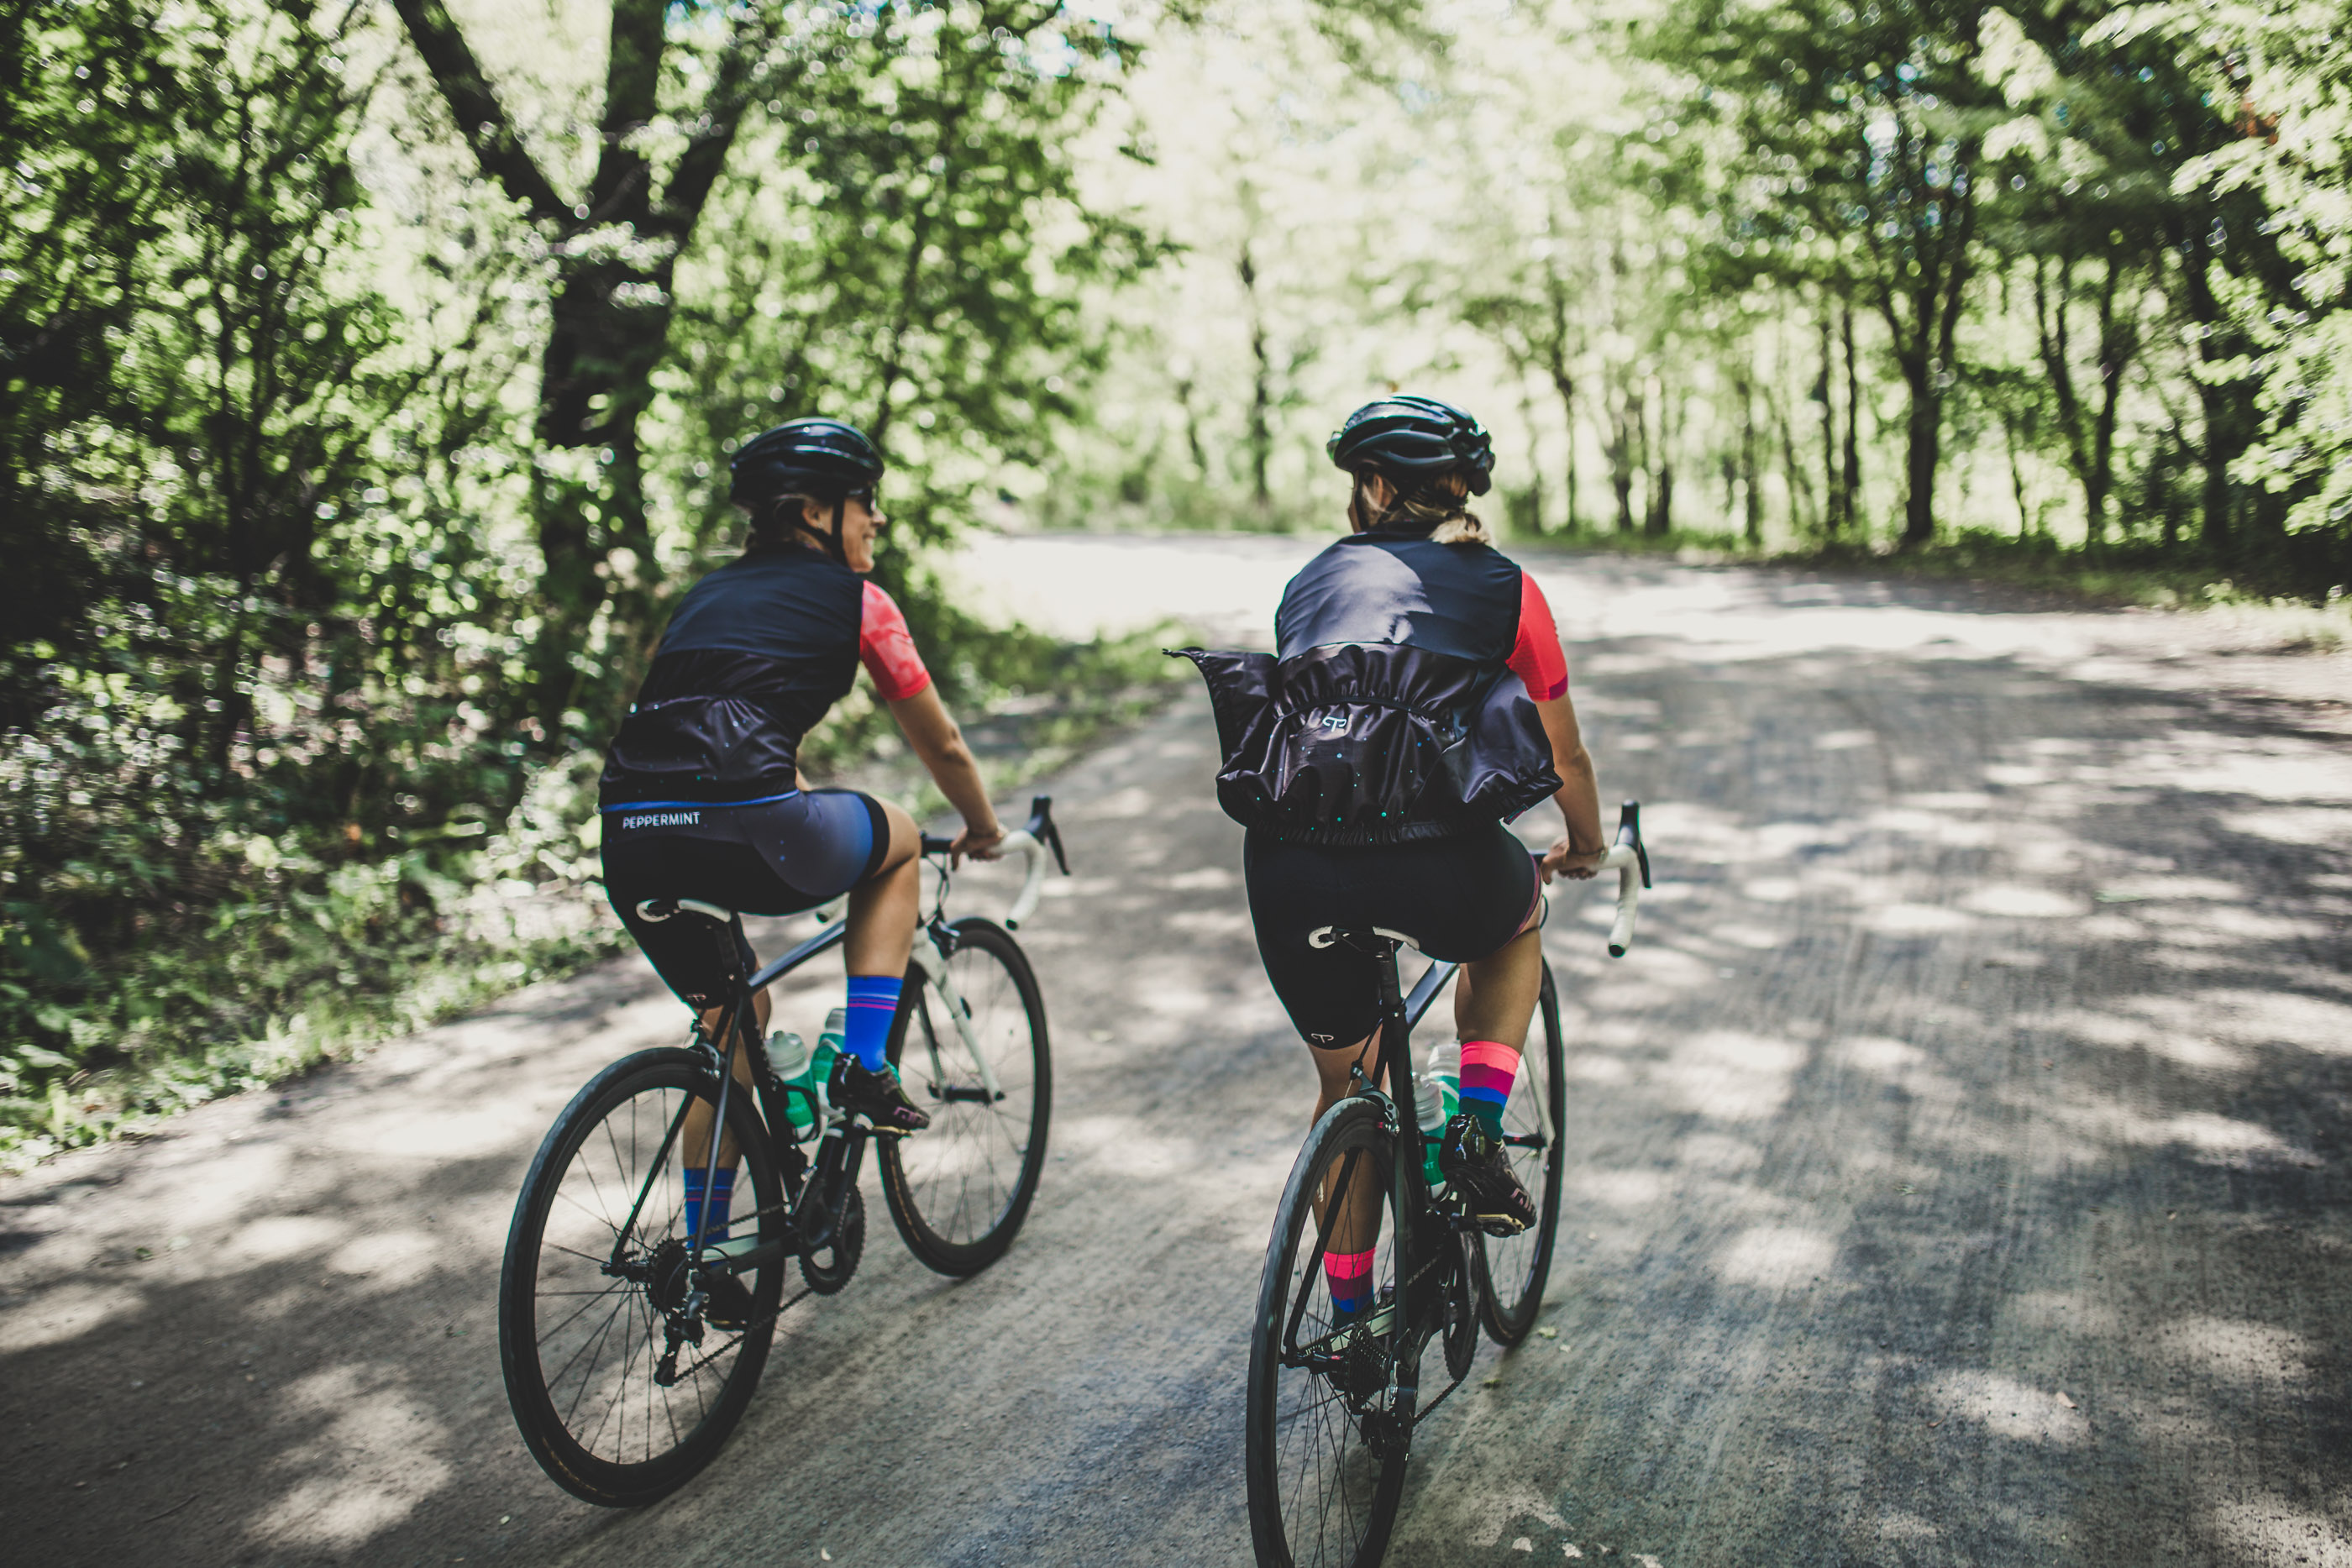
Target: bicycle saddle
[656, 910]
[1371, 939]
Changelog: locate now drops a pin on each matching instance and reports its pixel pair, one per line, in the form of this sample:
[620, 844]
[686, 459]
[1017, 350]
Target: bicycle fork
[931, 958]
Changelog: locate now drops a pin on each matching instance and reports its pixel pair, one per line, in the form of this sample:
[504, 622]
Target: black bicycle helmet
[1414, 440]
[824, 459]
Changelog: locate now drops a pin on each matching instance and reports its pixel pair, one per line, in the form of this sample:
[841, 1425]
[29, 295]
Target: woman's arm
[1578, 797]
[924, 720]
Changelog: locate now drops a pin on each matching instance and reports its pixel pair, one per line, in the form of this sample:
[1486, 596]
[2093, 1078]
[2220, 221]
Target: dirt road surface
[1958, 1169]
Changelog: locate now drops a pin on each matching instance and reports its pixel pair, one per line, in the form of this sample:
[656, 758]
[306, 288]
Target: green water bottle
[788, 1054]
[828, 1051]
[1437, 1095]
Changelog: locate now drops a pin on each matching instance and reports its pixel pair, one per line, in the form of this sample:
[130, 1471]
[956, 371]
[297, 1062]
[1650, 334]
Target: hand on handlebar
[977, 844]
[1562, 859]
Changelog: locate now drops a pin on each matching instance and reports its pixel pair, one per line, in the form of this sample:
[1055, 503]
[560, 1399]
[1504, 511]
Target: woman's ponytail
[1437, 507]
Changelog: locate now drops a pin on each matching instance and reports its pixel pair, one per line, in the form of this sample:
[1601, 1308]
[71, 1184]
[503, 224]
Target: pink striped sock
[1488, 1069]
[1349, 1275]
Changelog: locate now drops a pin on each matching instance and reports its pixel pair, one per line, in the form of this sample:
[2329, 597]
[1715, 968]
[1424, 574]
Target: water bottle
[1437, 1095]
[788, 1054]
[828, 1051]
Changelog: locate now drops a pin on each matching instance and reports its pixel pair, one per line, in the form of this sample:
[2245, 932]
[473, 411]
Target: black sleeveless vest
[755, 655]
[1388, 712]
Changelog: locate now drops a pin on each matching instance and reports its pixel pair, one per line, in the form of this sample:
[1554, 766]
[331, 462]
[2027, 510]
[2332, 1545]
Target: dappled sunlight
[2018, 902]
[2006, 1407]
[1777, 1258]
[284, 1236]
[2275, 1530]
[377, 1430]
[2256, 1354]
[1729, 1076]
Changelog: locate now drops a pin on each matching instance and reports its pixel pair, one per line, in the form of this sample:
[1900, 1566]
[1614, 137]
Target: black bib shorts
[772, 857]
[1461, 897]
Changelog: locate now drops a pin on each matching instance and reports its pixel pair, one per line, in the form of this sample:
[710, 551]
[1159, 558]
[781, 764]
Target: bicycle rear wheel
[1511, 1269]
[597, 1275]
[1325, 1446]
[958, 1190]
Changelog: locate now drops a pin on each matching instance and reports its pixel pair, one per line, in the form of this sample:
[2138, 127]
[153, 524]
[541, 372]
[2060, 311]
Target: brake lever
[1042, 829]
[1629, 830]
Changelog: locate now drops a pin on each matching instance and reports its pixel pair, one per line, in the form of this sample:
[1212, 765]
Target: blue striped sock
[721, 1197]
[865, 1033]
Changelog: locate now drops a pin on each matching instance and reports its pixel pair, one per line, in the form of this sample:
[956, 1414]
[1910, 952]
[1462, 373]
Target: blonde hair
[1438, 504]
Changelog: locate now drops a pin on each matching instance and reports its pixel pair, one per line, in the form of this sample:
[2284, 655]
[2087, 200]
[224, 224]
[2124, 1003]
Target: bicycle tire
[960, 1190]
[1306, 1449]
[596, 1456]
[1522, 1264]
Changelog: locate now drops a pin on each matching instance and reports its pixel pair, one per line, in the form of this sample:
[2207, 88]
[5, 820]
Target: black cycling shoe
[879, 1097]
[1479, 1174]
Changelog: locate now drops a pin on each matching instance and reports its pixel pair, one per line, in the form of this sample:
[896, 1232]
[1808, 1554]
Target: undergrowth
[272, 948]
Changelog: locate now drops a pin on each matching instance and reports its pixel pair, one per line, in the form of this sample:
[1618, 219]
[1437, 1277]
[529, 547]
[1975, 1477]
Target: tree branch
[632, 85]
[481, 118]
[706, 152]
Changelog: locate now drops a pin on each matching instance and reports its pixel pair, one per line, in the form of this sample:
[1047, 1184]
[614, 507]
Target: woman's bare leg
[1494, 997]
[883, 909]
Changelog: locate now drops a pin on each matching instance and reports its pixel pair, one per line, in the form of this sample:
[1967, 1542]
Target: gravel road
[1958, 1175]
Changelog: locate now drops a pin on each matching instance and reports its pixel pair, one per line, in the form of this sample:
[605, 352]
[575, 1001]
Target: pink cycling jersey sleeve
[1537, 659]
[889, 648]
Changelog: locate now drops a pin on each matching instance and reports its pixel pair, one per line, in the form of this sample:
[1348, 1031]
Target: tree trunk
[2017, 478]
[609, 325]
[1802, 518]
[1565, 384]
[1261, 429]
[1833, 499]
[1752, 495]
[1535, 469]
[1625, 417]
[1922, 449]
[1661, 520]
[1191, 427]
[1850, 481]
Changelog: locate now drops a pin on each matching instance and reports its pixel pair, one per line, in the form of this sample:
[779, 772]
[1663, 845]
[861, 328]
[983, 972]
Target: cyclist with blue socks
[702, 797]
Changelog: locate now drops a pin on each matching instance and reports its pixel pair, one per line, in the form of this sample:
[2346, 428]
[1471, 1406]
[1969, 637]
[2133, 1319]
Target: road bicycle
[627, 1359]
[1333, 1406]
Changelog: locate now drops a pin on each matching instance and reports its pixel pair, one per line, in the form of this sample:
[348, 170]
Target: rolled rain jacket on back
[1391, 714]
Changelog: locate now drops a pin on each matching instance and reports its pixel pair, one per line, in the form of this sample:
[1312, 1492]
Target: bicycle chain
[749, 1329]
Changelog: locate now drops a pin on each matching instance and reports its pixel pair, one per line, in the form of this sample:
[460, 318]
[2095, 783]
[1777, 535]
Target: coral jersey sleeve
[1537, 658]
[889, 648]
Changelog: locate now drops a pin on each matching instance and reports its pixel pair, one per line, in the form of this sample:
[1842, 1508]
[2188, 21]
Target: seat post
[1395, 1061]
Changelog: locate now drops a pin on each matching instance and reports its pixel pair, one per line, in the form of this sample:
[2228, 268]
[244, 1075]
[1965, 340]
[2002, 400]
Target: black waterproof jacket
[1388, 712]
[755, 655]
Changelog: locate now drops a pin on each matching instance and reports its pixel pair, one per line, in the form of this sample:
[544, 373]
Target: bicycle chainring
[1461, 1315]
[828, 1268]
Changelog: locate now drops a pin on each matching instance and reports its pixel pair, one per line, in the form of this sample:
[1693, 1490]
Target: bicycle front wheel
[1511, 1269]
[1325, 1442]
[958, 1190]
[621, 1394]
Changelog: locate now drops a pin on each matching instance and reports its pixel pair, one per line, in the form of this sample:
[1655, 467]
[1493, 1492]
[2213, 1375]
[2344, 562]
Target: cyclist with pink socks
[1417, 701]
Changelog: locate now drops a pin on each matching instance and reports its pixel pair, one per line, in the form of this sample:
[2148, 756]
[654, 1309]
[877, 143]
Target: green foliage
[350, 463]
[1856, 270]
